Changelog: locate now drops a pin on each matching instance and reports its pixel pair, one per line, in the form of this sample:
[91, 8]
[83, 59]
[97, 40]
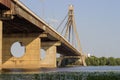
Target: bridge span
[18, 23]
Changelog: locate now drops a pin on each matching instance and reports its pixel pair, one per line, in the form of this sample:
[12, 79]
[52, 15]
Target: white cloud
[52, 20]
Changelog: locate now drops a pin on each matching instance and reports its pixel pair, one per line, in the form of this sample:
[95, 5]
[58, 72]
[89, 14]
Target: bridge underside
[32, 38]
[19, 25]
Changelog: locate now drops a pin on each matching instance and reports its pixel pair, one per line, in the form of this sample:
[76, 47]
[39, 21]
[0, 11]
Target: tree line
[102, 61]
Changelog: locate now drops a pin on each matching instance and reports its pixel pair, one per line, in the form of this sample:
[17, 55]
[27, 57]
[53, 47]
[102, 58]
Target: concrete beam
[72, 57]
[50, 44]
[5, 4]
[23, 12]
[1, 25]
[41, 35]
[6, 15]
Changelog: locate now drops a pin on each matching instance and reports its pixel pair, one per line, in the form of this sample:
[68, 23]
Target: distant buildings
[88, 55]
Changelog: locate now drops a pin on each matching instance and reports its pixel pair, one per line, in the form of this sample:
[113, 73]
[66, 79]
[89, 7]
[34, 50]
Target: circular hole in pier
[43, 54]
[17, 49]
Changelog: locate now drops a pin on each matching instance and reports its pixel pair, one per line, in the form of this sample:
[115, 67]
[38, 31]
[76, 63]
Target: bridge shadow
[65, 62]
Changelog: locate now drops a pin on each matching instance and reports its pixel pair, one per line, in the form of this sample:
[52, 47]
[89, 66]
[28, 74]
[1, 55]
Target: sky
[98, 22]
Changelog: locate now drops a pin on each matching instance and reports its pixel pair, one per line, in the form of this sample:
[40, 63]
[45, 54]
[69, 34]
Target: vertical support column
[51, 55]
[50, 58]
[33, 53]
[31, 57]
[1, 25]
[83, 60]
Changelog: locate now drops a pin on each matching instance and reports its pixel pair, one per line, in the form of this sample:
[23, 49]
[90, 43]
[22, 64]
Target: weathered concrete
[1, 43]
[26, 22]
[20, 10]
[31, 58]
[50, 58]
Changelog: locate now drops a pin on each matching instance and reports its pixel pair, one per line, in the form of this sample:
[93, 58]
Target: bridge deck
[25, 21]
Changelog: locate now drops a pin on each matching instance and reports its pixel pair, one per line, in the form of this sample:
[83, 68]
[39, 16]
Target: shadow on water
[70, 73]
[40, 70]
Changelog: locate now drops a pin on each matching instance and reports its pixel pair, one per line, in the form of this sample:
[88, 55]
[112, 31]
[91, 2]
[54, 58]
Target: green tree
[111, 61]
[117, 61]
[93, 61]
[96, 61]
[88, 61]
[102, 61]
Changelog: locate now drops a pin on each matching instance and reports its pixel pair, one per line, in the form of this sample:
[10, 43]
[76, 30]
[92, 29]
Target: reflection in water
[41, 70]
[67, 69]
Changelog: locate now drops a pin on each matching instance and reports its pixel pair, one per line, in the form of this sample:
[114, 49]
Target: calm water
[68, 69]
[91, 69]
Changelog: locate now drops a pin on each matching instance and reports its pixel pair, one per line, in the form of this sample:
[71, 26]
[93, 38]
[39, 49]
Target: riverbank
[63, 76]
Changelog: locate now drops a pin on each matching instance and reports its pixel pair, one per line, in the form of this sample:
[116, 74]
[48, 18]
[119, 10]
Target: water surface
[66, 69]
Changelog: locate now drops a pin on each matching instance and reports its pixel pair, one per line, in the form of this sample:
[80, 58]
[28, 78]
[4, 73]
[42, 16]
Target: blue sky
[98, 22]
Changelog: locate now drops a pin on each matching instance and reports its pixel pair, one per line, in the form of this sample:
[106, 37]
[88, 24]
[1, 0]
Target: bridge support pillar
[51, 50]
[83, 57]
[82, 60]
[31, 57]
[1, 25]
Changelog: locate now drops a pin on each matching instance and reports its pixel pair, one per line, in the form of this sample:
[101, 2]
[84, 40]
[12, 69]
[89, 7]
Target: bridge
[18, 23]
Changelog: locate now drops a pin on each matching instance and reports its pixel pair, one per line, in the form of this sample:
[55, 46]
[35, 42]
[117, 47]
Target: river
[90, 69]
[67, 69]
[68, 73]
[85, 69]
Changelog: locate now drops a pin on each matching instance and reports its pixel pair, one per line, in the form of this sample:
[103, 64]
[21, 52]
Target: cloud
[52, 20]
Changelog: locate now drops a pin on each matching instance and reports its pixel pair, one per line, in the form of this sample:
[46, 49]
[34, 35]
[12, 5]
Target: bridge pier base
[83, 57]
[82, 60]
[31, 57]
[50, 58]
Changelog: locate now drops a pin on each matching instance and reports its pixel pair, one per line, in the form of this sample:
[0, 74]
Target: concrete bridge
[18, 23]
